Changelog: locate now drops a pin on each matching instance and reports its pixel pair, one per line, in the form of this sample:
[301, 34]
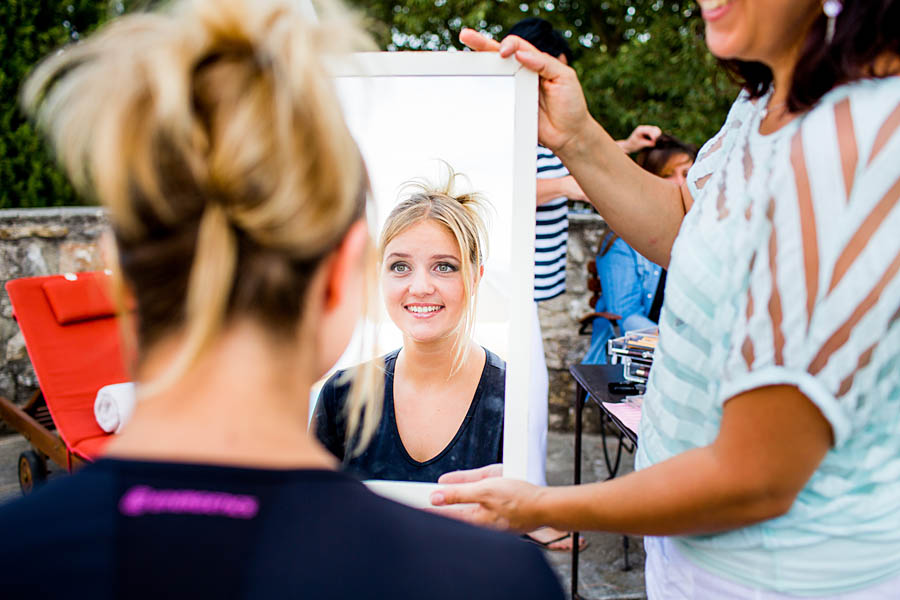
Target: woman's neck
[430, 362]
[243, 402]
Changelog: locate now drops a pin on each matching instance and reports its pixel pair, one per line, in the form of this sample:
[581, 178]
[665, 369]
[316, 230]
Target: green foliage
[29, 30]
[639, 61]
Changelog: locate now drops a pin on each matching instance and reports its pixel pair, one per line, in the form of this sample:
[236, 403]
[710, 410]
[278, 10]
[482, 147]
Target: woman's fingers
[472, 474]
[507, 47]
[478, 42]
[463, 493]
[470, 513]
[563, 110]
[471, 502]
[543, 64]
[642, 137]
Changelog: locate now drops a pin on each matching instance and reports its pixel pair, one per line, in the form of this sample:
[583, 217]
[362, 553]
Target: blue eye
[400, 267]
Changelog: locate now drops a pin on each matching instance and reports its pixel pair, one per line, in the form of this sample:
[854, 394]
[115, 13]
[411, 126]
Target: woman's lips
[713, 10]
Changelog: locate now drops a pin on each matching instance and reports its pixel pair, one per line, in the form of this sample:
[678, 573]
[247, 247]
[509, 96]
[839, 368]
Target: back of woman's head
[464, 216]
[212, 134]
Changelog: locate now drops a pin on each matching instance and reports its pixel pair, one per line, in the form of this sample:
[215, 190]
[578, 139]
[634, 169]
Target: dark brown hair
[864, 31]
[655, 158]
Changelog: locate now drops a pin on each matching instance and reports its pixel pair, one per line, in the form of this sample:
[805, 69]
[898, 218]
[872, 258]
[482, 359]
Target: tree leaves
[29, 30]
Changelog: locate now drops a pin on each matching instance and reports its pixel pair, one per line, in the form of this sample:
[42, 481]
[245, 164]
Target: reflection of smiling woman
[443, 405]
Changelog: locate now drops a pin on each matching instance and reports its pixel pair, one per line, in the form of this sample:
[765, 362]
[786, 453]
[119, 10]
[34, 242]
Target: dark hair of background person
[654, 159]
[542, 35]
[863, 32]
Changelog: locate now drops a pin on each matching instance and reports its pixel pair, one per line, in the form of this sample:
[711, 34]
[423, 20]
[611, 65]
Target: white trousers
[670, 575]
[537, 406]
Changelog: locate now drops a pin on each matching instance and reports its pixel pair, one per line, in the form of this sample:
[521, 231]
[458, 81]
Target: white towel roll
[114, 405]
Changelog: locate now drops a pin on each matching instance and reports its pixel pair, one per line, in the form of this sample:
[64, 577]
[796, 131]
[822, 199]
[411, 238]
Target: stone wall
[60, 240]
[39, 241]
[559, 317]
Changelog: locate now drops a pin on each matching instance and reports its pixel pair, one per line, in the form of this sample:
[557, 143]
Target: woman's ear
[341, 296]
[346, 271]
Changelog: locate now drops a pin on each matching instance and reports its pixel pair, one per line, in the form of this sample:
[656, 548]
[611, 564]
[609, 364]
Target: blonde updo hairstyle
[212, 134]
[464, 215]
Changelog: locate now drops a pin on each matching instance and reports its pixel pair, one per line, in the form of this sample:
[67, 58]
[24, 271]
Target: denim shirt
[628, 281]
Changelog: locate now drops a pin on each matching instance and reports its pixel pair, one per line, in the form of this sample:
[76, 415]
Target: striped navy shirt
[551, 233]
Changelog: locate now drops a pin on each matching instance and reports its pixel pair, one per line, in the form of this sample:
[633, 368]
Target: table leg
[580, 399]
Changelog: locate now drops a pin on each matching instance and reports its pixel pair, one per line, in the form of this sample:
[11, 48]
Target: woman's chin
[721, 45]
[421, 333]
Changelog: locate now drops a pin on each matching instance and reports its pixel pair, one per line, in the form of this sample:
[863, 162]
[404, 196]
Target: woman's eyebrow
[443, 257]
[398, 255]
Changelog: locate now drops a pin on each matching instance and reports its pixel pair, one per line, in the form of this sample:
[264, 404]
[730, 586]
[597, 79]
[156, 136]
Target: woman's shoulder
[337, 386]
[851, 140]
[500, 559]
[384, 363]
[864, 114]
[492, 361]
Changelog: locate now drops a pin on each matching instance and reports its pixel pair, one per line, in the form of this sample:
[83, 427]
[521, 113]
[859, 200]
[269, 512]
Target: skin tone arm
[644, 210]
[770, 443]
[550, 189]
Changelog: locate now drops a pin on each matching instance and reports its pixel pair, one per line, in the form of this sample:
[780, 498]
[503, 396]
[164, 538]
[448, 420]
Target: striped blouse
[551, 233]
[785, 271]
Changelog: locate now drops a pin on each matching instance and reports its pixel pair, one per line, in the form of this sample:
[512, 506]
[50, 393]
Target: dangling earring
[831, 8]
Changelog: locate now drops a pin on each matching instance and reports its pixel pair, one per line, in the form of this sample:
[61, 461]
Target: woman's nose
[421, 283]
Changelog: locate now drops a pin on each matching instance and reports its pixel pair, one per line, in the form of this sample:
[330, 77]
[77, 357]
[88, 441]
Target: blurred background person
[633, 286]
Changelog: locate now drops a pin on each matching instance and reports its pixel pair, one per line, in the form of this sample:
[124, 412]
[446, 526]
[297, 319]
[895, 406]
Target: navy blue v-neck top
[478, 441]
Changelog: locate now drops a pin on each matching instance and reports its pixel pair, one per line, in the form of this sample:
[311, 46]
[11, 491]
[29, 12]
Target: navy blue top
[478, 442]
[131, 529]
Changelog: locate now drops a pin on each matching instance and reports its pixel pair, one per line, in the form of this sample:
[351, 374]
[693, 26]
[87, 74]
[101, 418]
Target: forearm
[553, 188]
[692, 493]
[645, 210]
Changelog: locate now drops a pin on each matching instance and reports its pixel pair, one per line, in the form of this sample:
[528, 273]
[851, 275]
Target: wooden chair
[593, 285]
[73, 339]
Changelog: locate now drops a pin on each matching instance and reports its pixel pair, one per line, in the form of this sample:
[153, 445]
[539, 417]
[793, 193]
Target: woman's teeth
[709, 5]
[423, 309]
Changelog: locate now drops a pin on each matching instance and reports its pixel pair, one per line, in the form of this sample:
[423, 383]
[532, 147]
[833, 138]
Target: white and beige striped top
[785, 271]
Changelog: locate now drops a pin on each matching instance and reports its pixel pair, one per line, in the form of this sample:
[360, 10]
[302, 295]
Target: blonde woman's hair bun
[212, 133]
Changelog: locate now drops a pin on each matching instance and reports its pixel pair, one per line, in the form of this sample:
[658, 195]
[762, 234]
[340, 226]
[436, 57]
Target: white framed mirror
[410, 112]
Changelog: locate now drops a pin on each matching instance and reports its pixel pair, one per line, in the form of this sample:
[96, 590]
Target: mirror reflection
[444, 263]
[443, 392]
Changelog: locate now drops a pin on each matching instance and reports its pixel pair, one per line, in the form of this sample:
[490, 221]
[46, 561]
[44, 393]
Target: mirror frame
[521, 292]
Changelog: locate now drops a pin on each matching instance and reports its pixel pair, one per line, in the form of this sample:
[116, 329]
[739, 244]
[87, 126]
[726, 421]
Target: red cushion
[72, 361]
[80, 297]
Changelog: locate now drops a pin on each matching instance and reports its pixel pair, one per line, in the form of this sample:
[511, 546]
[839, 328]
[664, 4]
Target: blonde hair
[212, 133]
[464, 215]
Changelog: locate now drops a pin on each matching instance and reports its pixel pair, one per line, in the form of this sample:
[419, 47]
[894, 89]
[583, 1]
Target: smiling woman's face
[768, 31]
[421, 280]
